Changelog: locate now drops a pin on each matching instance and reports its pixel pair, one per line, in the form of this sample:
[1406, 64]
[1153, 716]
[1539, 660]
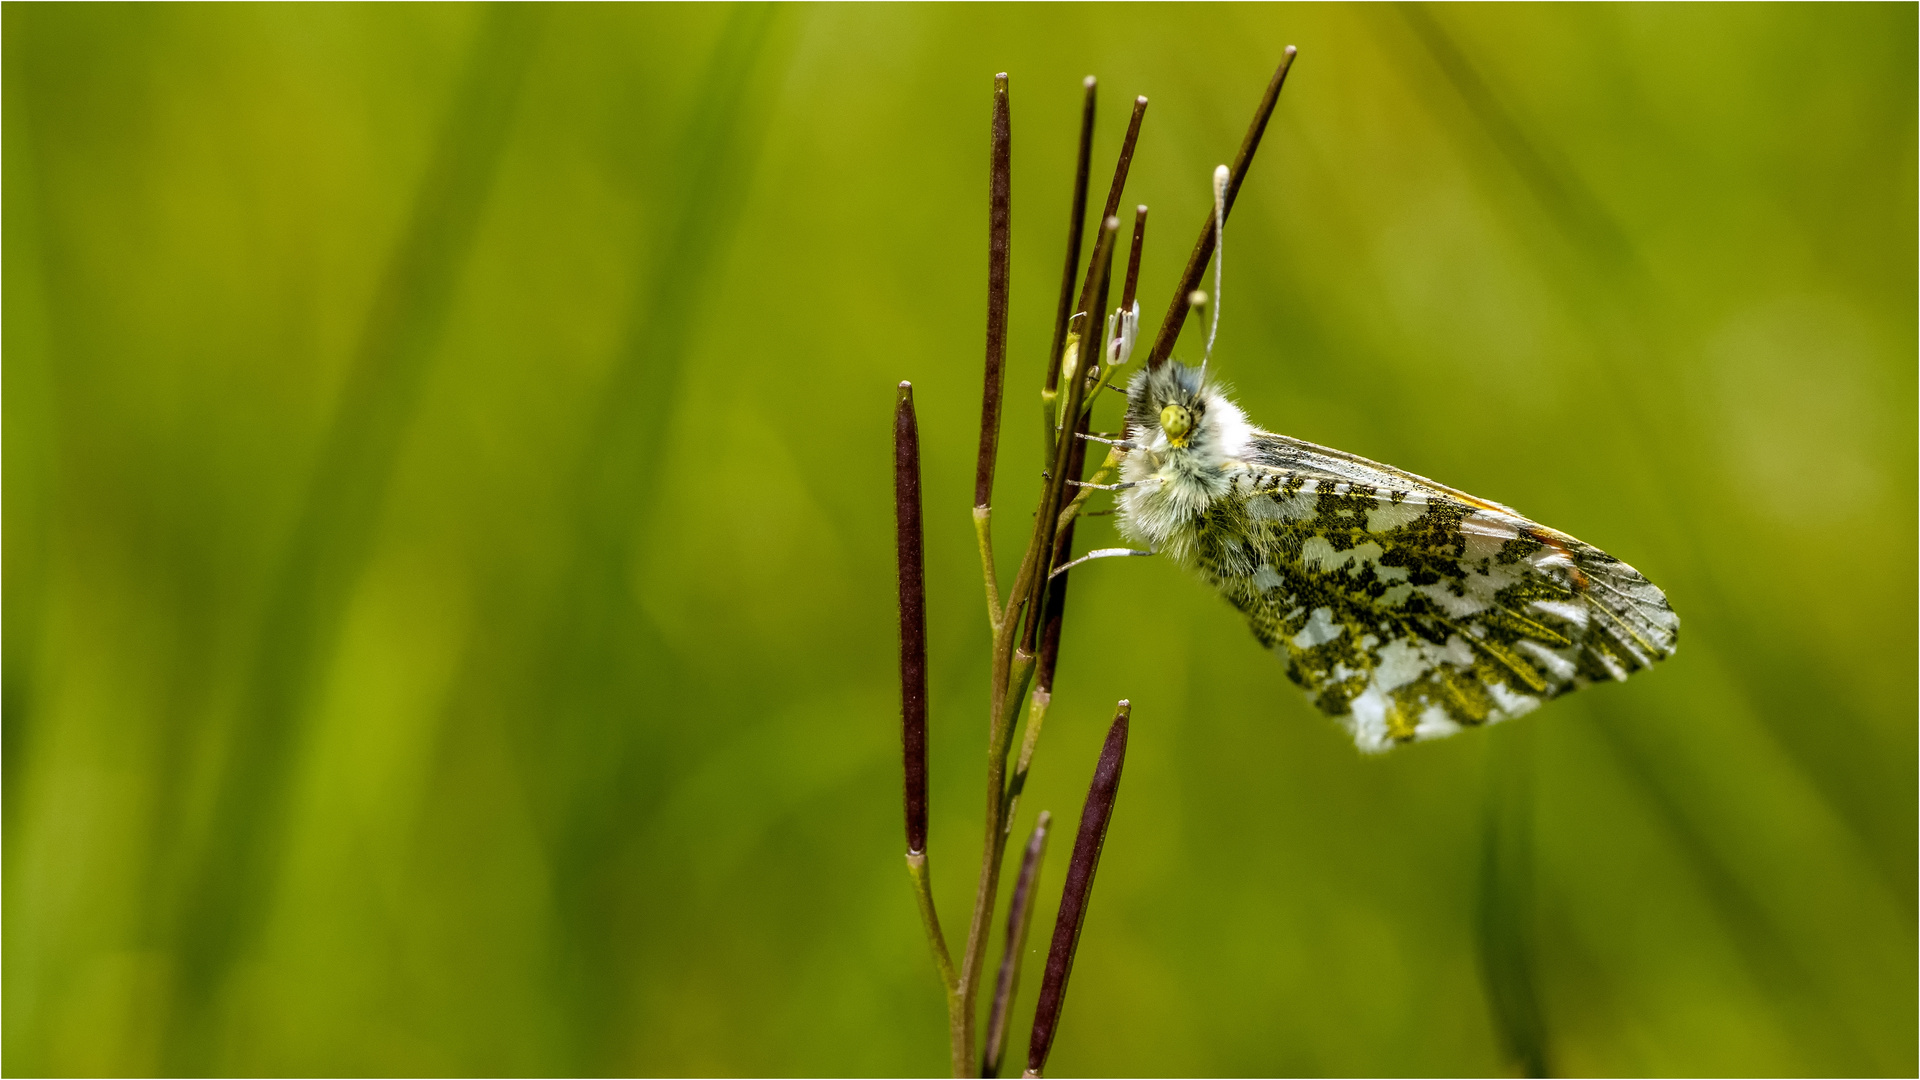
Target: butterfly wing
[1409, 610]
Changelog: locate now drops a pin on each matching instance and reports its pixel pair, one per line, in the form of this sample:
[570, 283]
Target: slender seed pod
[1076, 234]
[999, 246]
[913, 615]
[1094, 818]
[1203, 248]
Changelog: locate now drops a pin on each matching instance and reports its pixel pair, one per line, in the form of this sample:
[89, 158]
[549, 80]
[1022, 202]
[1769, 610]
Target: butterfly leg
[1097, 553]
[1118, 444]
[1107, 487]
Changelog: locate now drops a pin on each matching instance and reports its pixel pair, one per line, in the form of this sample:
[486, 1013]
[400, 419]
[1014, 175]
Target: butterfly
[1405, 609]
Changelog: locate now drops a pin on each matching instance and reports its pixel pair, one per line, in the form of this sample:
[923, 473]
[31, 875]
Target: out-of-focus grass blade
[28, 410]
[1621, 301]
[584, 692]
[1761, 943]
[228, 888]
[1506, 907]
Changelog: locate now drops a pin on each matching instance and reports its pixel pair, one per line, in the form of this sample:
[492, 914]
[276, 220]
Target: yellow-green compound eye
[1176, 421]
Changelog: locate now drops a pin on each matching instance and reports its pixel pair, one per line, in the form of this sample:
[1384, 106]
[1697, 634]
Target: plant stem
[1072, 510]
[983, 534]
[1019, 670]
[1043, 693]
[1041, 549]
[1019, 919]
[1036, 719]
[1056, 605]
[1031, 590]
[918, 870]
[1049, 395]
[937, 944]
[1013, 667]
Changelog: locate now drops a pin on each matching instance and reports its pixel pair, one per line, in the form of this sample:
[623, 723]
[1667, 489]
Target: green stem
[1036, 718]
[1072, 509]
[1019, 921]
[1019, 673]
[937, 944]
[983, 531]
[1049, 421]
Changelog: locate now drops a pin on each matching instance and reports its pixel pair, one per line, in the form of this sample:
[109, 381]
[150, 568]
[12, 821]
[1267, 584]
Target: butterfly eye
[1176, 421]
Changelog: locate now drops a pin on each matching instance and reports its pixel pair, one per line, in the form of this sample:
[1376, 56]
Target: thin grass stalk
[1505, 908]
[218, 912]
[999, 247]
[1019, 921]
[1203, 248]
[1095, 816]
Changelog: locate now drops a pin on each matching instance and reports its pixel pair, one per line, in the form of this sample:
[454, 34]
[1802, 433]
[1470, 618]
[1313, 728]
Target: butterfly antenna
[1221, 175]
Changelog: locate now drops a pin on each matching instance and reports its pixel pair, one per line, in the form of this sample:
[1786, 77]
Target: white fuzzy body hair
[1175, 484]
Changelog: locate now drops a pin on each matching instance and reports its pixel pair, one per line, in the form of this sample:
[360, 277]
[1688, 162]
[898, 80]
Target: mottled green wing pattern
[1409, 610]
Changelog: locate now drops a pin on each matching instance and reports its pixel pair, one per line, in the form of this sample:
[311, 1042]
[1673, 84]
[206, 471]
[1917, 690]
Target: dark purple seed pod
[1125, 162]
[999, 244]
[1094, 818]
[1203, 248]
[913, 614]
[1133, 257]
[1076, 233]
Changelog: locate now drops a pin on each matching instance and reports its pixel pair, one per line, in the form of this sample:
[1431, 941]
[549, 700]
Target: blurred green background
[449, 589]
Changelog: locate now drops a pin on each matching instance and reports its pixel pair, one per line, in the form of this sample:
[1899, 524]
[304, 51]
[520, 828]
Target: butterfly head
[1172, 413]
[1177, 421]
[1187, 436]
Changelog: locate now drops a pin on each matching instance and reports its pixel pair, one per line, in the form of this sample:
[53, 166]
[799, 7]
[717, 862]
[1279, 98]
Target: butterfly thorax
[1189, 441]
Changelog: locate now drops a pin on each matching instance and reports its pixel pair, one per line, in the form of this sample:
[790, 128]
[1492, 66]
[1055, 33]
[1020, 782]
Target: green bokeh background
[449, 615]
